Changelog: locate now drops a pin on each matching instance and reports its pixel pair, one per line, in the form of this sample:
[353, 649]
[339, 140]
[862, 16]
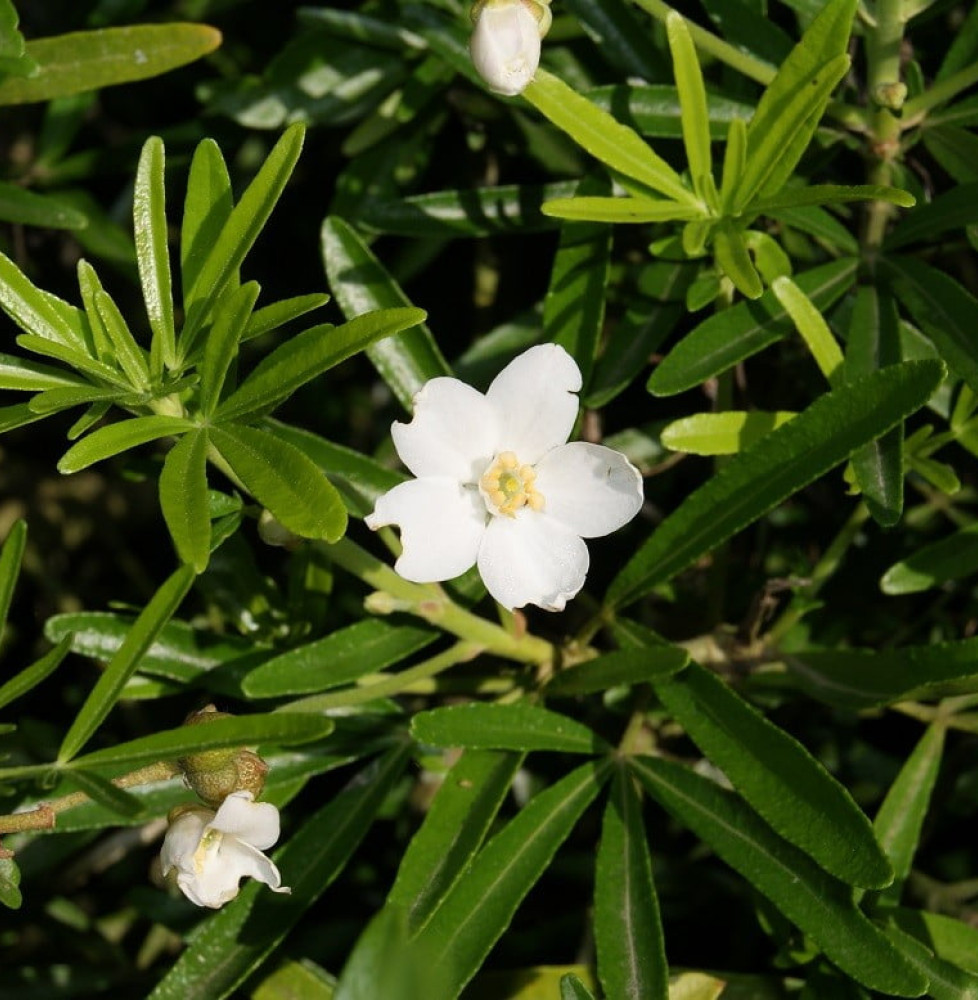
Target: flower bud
[505, 45]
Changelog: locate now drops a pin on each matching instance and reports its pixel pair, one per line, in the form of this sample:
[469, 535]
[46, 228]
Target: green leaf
[950, 558]
[784, 461]
[480, 905]
[275, 728]
[955, 149]
[720, 433]
[89, 60]
[623, 39]
[102, 698]
[307, 355]
[152, 253]
[29, 209]
[573, 309]
[11, 556]
[206, 210]
[733, 335]
[823, 226]
[950, 939]
[627, 926]
[106, 794]
[808, 896]
[183, 498]
[366, 647]
[626, 666]
[229, 247]
[75, 359]
[942, 309]
[733, 258]
[28, 678]
[571, 988]
[829, 194]
[233, 312]
[23, 375]
[37, 312]
[55, 400]
[951, 211]
[10, 894]
[235, 941]
[277, 314]
[282, 479]
[504, 727]
[945, 981]
[615, 145]
[361, 284]
[862, 678]
[777, 776]
[874, 343]
[810, 323]
[17, 415]
[901, 816]
[620, 210]
[692, 100]
[115, 438]
[128, 353]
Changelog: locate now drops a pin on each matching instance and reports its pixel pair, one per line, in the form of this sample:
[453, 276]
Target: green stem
[430, 602]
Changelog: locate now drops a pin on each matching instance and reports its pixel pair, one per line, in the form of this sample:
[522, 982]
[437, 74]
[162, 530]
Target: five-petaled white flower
[505, 44]
[498, 487]
[211, 852]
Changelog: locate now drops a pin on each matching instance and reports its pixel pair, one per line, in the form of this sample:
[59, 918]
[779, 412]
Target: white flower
[505, 45]
[497, 486]
[211, 852]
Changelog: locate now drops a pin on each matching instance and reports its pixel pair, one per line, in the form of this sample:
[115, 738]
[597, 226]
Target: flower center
[507, 486]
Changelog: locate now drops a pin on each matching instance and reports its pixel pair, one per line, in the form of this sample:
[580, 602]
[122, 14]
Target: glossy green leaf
[823, 226]
[620, 210]
[75, 359]
[615, 145]
[733, 258]
[808, 896]
[229, 247]
[282, 479]
[206, 210]
[626, 666]
[88, 60]
[810, 323]
[361, 285]
[627, 926]
[574, 306]
[720, 433]
[106, 794]
[943, 310]
[27, 208]
[122, 436]
[901, 816]
[88, 284]
[102, 698]
[238, 939]
[345, 655]
[777, 776]
[480, 905]
[733, 335]
[55, 400]
[152, 252]
[861, 678]
[28, 678]
[271, 317]
[37, 312]
[949, 938]
[233, 312]
[307, 355]
[23, 375]
[11, 556]
[945, 981]
[183, 498]
[874, 343]
[17, 415]
[829, 194]
[130, 356]
[781, 463]
[504, 727]
[276, 728]
[951, 558]
[692, 100]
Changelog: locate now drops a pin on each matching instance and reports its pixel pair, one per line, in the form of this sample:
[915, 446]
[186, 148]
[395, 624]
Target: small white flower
[505, 45]
[498, 487]
[211, 852]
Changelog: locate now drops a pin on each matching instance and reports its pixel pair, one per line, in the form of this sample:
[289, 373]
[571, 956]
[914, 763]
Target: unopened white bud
[505, 45]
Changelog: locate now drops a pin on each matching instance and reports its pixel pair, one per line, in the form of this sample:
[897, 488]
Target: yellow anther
[507, 486]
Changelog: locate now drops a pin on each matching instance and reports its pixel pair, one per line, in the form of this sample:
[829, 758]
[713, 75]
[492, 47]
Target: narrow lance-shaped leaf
[627, 926]
[625, 666]
[129, 355]
[361, 284]
[28, 678]
[10, 559]
[777, 776]
[223, 953]
[950, 558]
[482, 902]
[720, 433]
[152, 253]
[115, 438]
[692, 99]
[810, 323]
[571, 988]
[734, 162]
[33, 310]
[819, 904]
[221, 348]
[28, 208]
[733, 258]
[619, 210]
[183, 498]
[945, 981]
[101, 700]
[102, 791]
[784, 461]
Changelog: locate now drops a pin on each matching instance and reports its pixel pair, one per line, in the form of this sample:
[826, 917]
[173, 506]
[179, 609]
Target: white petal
[181, 840]
[532, 559]
[590, 489]
[241, 860]
[453, 432]
[505, 46]
[441, 526]
[256, 823]
[535, 402]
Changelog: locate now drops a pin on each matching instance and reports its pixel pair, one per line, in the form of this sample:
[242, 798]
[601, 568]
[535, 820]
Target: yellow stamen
[507, 486]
